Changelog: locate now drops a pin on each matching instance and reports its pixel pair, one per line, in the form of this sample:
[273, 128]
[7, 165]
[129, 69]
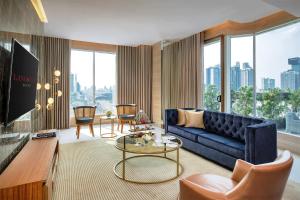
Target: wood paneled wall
[75, 44]
[235, 28]
[19, 16]
[156, 83]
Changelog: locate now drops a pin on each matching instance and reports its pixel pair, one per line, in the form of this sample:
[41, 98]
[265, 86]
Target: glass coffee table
[150, 145]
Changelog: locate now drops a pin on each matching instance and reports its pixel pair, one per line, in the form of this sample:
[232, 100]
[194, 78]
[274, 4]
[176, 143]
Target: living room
[153, 99]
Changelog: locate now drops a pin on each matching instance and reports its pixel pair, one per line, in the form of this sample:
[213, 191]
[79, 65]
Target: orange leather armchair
[248, 182]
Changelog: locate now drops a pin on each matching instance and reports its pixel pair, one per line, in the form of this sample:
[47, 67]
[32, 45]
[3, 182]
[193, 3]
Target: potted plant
[108, 113]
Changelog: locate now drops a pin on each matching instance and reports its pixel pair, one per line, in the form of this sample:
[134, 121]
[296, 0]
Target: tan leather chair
[248, 182]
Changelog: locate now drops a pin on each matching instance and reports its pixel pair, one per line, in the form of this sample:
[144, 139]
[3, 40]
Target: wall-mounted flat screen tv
[21, 91]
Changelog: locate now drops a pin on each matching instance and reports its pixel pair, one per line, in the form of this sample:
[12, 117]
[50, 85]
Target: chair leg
[122, 124]
[78, 131]
[118, 124]
[91, 129]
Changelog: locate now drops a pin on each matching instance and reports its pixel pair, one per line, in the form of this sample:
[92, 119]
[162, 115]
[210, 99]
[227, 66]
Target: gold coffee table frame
[112, 121]
[179, 167]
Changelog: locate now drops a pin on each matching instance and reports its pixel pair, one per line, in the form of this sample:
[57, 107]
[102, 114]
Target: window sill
[288, 141]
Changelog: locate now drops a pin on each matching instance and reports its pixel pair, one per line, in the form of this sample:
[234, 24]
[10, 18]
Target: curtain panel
[182, 73]
[134, 76]
[53, 54]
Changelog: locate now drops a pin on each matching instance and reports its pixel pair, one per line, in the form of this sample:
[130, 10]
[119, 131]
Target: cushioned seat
[126, 117]
[226, 145]
[189, 133]
[84, 120]
[212, 182]
[196, 131]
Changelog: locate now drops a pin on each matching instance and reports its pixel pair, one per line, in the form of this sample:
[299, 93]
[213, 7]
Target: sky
[105, 67]
[273, 49]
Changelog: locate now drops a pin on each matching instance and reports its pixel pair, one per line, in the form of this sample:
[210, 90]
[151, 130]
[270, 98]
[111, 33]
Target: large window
[105, 72]
[278, 77]
[92, 80]
[270, 86]
[212, 75]
[241, 75]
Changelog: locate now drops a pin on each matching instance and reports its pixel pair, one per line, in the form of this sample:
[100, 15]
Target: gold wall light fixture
[38, 6]
[48, 87]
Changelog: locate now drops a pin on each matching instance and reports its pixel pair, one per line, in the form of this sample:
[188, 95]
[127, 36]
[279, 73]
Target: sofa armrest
[261, 143]
[171, 118]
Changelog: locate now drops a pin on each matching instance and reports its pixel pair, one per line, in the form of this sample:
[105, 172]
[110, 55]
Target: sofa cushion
[181, 117]
[194, 119]
[226, 145]
[84, 120]
[229, 125]
[188, 133]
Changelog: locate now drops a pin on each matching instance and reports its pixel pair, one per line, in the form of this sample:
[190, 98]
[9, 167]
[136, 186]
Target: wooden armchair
[84, 115]
[126, 114]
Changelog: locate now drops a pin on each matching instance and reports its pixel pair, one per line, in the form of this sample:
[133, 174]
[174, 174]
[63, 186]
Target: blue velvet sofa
[227, 137]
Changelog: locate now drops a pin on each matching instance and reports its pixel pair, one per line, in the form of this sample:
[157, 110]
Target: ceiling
[291, 6]
[134, 22]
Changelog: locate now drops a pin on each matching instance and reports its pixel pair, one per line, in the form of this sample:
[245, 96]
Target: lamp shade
[56, 73]
[59, 93]
[50, 100]
[38, 106]
[38, 86]
[47, 86]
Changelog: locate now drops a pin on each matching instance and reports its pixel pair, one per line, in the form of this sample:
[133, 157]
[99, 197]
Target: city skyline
[244, 76]
[273, 48]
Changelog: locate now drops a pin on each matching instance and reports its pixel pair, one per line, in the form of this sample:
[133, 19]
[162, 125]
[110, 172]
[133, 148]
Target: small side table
[112, 121]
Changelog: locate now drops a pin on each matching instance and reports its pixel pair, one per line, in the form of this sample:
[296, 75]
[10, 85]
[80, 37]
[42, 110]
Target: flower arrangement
[108, 113]
[142, 118]
[147, 138]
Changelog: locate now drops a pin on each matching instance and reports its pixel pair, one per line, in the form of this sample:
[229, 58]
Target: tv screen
[22, 82]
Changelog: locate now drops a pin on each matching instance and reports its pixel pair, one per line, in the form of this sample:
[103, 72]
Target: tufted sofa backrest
[228, 124]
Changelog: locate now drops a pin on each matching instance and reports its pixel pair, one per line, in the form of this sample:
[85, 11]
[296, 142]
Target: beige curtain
[134, 74]
[53, 54]
[182, 73]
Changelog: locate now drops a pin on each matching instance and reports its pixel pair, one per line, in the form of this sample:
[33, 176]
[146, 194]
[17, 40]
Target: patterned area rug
[85, 171]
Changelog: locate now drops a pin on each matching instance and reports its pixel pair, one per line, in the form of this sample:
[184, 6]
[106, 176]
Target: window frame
[227, 56]
[94, 71]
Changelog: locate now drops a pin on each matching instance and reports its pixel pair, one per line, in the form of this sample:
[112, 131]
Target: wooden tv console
[30, 175]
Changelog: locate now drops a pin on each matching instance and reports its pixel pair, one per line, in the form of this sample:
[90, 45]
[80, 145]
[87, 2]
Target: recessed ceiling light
[38, 6]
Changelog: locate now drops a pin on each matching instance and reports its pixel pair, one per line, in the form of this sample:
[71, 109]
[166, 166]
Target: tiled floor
[69, 135]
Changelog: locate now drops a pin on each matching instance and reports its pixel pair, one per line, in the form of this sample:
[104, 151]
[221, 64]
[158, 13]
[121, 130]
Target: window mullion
[254, 74]
[94, 86]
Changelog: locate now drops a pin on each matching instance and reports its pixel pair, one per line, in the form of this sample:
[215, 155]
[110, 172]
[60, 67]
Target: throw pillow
[194, 119]
[181, 117]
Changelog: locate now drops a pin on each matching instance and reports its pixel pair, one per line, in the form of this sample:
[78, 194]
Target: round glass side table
[112, 121]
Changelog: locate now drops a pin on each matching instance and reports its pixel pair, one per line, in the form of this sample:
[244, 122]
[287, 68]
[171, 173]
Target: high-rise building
[213, 76]
[73, 81]
[235, 77]
[268, 83]
[290, 80]
[295, 63]
[247, 75]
